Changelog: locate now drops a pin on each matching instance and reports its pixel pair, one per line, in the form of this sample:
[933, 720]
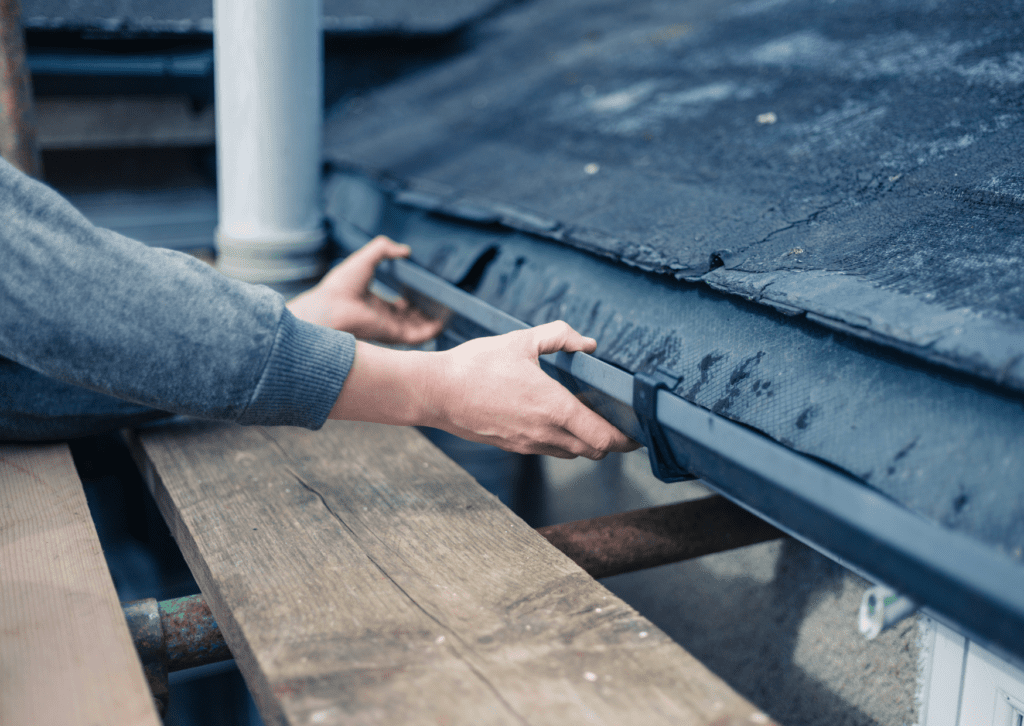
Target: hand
[490, 390]
[343, 301]
[496, 393]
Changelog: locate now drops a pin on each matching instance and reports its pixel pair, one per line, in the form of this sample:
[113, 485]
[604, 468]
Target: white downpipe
[269, 89]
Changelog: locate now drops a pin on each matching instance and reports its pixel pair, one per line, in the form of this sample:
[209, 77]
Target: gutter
[971, 587]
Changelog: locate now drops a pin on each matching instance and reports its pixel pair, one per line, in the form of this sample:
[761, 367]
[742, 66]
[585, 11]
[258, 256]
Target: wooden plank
[361, 577]
[66, 656]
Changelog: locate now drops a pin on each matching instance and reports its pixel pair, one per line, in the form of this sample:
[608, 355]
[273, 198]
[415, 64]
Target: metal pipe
[268, 79]
[143, 617]
[173, 635]
[182, 633]
[17, 117]
[191, 635]
[629, 541]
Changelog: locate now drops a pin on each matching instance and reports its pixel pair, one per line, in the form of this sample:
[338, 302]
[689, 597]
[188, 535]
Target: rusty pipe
[17, 115]
[182, 633]
[173, 635]
[191, 635]
[143, 617]
[629, 541]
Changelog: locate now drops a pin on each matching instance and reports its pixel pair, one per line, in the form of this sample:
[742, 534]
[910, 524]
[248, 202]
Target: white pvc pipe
[269, 105]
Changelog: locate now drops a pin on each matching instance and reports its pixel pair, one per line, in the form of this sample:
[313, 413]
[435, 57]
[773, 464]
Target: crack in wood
[456, 571]
[454, 635]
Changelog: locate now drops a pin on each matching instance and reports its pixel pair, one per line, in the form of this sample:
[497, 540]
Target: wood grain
[361, 577]
[66, 656]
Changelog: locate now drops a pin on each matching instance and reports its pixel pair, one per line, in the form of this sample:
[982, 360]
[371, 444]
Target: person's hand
[495, 392]
[489, 390]
[343, 301]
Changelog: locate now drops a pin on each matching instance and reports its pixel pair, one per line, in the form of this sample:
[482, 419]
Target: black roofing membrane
[943, 444]
[196, 16]
[855, 161]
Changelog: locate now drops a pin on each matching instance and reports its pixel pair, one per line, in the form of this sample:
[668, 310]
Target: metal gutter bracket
[881, 608]
[645, 404]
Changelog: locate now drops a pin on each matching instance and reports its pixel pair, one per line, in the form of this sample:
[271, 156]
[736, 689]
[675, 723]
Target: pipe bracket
[645, 404]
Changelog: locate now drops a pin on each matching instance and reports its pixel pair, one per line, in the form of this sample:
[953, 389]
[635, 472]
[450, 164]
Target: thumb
[382, 248]
[365, 260]
[559, 336]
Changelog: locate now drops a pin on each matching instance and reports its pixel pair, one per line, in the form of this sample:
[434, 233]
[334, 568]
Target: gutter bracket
[645, 404]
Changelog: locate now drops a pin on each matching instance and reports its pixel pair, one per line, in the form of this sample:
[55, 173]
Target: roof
[808, 213]
[856, 163]
[128, 17]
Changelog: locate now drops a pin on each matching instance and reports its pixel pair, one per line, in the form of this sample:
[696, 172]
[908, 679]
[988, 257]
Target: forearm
[92, 308]
[388, 386]
[489, 390]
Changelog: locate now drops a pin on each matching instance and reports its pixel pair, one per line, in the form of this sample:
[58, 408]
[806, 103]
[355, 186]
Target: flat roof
[128, 17]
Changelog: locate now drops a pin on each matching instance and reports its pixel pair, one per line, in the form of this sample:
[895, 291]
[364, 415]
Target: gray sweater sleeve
[94, 309]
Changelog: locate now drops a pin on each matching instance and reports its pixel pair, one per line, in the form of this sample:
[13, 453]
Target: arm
[489, 390]
[91, 308]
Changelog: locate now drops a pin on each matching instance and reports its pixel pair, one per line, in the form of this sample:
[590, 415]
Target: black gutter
[972, 588]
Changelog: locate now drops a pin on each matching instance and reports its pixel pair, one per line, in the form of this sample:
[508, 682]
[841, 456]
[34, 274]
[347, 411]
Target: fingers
[555, 442]
[361, 263]
[595, 434]
[418, 328]
[581, 431]
[343, 300]
[559, 336]
[564, 445]
[398, 322]
[381, 248]
[413, 329]
[491, 390]
[570, 429]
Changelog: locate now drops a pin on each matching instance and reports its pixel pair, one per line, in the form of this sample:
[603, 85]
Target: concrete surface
[777, 620]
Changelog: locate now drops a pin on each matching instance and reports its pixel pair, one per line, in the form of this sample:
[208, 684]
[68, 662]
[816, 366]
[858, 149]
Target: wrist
[308, 307]
[389, 386]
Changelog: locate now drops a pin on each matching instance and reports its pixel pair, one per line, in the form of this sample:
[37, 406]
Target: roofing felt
[945, 448]
[854, 162]
[196, 16]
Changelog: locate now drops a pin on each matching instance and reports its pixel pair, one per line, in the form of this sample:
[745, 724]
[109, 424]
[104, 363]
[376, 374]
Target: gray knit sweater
[98, 331]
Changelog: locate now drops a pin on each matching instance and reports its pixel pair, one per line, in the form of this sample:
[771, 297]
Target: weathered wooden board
[361, 577]
[66, 656]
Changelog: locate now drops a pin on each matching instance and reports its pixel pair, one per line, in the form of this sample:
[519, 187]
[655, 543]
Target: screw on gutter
[880, 609]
